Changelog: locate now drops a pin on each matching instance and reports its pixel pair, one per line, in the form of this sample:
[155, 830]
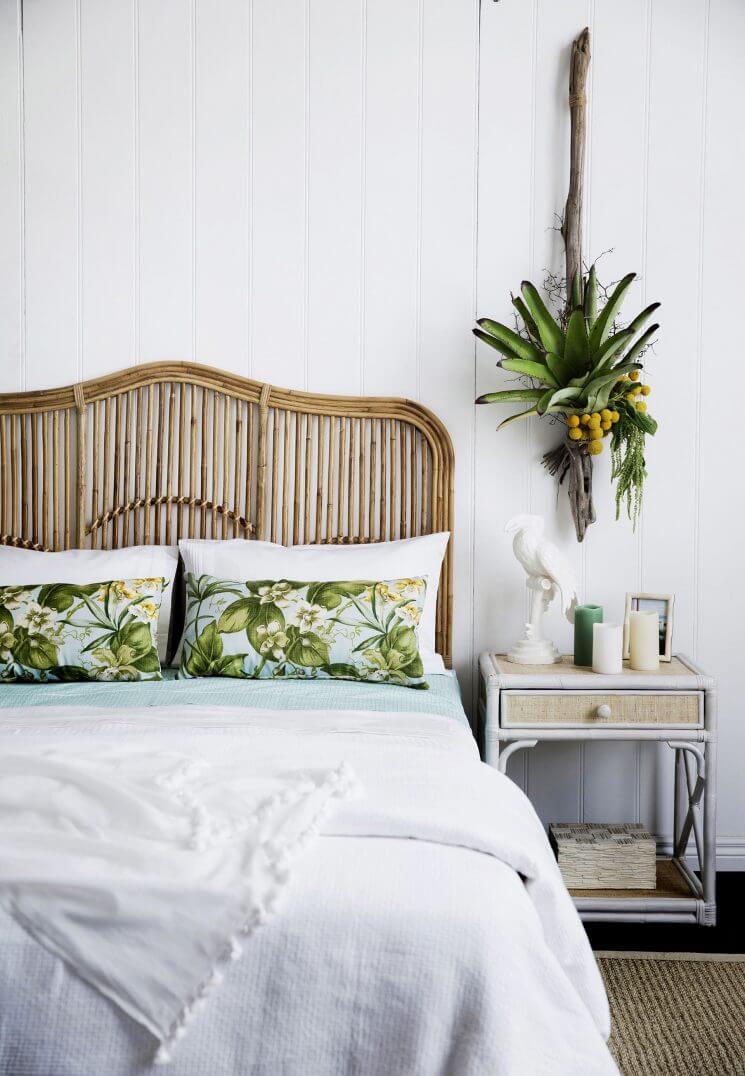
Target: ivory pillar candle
[644, 641]
[607, 648]
[584, 618]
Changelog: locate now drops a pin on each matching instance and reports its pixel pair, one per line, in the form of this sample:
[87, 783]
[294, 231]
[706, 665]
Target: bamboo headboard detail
[175, 449]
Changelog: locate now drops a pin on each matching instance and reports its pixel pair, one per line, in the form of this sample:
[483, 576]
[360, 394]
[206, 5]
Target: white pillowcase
[26, 566]
[245, 559]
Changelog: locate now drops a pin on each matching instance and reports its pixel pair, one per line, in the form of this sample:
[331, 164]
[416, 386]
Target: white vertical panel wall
[322, 193]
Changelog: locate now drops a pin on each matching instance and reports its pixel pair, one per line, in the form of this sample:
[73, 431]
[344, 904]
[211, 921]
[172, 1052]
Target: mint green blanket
[442, 698]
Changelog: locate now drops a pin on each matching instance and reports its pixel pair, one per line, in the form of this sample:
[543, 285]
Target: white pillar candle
[644, 641]
[607, 648]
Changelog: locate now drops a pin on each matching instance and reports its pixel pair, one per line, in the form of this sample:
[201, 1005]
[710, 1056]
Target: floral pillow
[72, 631]
[272, 629]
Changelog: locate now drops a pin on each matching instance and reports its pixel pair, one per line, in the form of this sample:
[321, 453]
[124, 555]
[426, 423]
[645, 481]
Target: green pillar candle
[584, 618]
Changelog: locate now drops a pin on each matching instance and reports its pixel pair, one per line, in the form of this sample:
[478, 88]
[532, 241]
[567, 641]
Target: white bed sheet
[390, 955]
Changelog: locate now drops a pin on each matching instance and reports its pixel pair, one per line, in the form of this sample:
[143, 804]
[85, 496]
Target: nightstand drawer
[584, 708]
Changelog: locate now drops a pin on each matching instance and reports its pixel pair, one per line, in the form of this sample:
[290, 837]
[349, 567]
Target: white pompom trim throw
[340, 783]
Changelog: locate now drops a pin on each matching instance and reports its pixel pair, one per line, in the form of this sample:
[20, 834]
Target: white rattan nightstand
[522, 704]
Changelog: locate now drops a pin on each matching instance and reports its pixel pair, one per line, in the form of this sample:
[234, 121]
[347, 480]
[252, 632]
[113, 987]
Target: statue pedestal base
[534, 652]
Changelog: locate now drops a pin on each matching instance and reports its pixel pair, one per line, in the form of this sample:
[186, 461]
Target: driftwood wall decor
[169, 450]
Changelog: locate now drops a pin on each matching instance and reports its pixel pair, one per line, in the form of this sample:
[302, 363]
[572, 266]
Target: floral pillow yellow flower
[273, 629]
[69, 631]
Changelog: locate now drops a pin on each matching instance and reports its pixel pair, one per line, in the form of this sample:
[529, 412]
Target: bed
[425, 929]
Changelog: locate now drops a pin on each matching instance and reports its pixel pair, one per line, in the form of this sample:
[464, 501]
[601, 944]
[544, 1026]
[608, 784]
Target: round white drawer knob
[603, 711]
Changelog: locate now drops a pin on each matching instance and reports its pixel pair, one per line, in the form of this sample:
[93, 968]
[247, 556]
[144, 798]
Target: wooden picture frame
[645, 602]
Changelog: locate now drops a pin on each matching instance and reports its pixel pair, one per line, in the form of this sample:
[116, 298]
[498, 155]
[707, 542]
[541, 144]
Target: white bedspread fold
[142, 867]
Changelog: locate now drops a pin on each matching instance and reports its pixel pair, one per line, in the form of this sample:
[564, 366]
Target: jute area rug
[676, 1014]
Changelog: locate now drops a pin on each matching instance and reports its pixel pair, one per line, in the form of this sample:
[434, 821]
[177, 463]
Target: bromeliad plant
[584, 370]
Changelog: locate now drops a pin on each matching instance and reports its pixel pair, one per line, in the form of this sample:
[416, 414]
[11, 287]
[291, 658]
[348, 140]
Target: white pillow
[29, 566]
[246, 559]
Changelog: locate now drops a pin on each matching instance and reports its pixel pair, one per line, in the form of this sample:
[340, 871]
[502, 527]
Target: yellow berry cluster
[592, 428]
[637, 391]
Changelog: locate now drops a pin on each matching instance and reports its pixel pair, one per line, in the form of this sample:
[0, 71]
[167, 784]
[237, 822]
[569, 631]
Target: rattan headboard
[174, 449]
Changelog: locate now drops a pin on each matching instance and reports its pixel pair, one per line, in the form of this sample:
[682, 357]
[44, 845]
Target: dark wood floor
[728, 936]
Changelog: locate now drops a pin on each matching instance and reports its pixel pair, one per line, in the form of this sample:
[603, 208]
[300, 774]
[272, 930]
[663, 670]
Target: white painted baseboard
[730, 851]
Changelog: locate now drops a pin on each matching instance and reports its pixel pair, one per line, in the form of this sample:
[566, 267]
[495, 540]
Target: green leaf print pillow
[72, 631]
[277, 628]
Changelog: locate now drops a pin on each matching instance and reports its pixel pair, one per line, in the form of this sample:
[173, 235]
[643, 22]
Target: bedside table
[520, 705]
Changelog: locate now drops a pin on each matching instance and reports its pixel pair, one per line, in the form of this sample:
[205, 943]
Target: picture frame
[662, 604]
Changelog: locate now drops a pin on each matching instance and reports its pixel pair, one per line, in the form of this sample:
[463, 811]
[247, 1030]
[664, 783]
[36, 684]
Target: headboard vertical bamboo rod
[82, 470]
[372, 479]
[34, 476]
[238, 469]
[128, 405]
[96, 511]
[342, 490]
[117, 469]
[55, 479]
[169, 471]
[225, 461]
[159, 442]
[296, 484]
[14, 529]
[249, 458]
[68, 481]
[148, 461]
[203, 468]
[263, 418]
[46, 466]
[138, 462]
[24, 472]
[320, 457]
[4, 528]
[215, 478]
[308, 424]
[383, 479]
[252, 460]
[359, 434]
[285, 475]
[274, 502]
[181, 443]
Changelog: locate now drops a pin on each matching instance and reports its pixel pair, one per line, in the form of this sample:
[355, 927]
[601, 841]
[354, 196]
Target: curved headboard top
[170, 450]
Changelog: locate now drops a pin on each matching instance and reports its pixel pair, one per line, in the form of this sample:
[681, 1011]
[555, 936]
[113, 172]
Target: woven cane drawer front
[587, 708]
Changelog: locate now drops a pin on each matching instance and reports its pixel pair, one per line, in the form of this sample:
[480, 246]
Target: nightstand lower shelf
[675, 900]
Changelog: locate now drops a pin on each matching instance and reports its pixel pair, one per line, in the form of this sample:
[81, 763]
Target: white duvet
[425, 931]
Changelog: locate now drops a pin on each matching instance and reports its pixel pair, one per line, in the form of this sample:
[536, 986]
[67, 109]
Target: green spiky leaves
[574, 363]
[577, 363]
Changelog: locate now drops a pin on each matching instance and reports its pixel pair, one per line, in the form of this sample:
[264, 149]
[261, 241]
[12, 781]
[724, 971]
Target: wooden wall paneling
[277, 155]
[505, 209]
[448, 266]
[719, 635]
[222, 227]
[108, 187]
[391, 195]
[12, 262]
[52, 218]
[336, 131]
[165, 122]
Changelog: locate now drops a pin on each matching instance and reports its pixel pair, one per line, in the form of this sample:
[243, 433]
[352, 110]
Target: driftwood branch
[572, 227]
[572, 458]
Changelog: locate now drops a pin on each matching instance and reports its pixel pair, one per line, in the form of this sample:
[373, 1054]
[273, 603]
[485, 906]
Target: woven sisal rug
[676, 1014]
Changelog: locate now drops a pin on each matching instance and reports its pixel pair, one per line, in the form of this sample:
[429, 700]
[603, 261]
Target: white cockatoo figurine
[549, 572]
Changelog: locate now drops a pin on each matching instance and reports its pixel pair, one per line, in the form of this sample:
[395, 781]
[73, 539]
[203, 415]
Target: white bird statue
[548, 571]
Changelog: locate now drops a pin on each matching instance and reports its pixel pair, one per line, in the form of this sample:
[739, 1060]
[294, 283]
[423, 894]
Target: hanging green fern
[629, 467]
